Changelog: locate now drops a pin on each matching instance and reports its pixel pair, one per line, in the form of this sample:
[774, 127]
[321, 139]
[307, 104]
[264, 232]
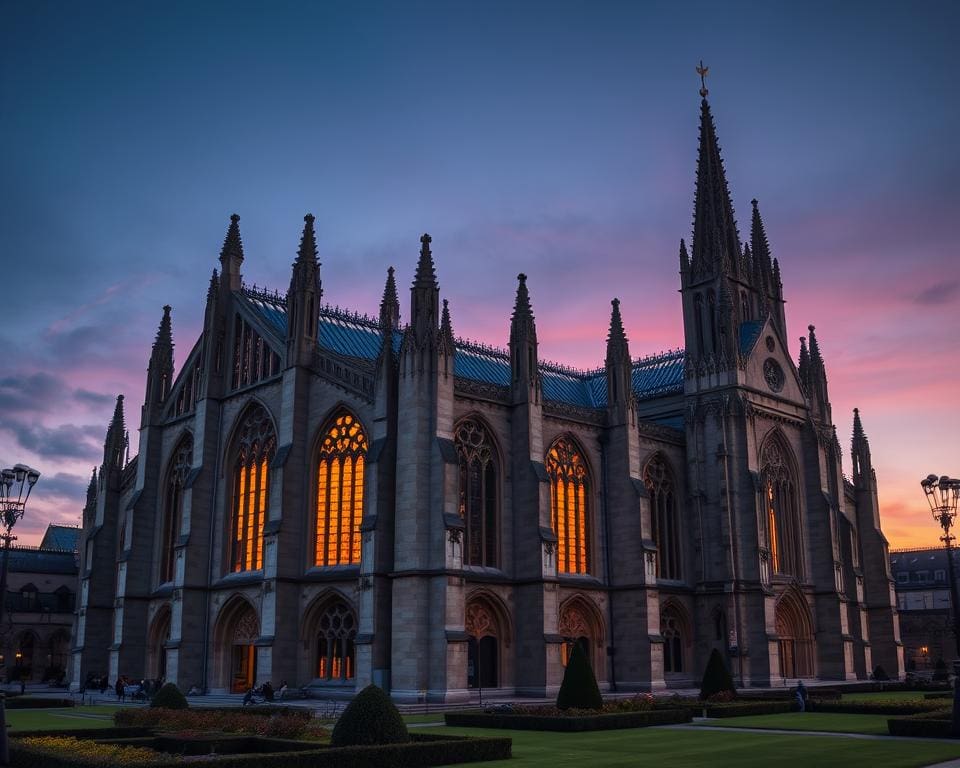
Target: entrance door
[483, 664]
[243, 661]
[787, 664]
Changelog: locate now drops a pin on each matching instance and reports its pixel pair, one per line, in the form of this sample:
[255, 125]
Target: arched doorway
[795, 630]
[674, 628]
[484, 632]
[237, 631]
[59, 645]
[580, 625]
[156, 644]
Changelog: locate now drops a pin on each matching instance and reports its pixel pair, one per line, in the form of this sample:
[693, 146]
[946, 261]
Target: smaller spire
[684, 258]
[426, 275]
[804, 365]
[308, 241]
[390, 303]
[446, 327]
[747, 262]
[616, 334]
[858, 433]
[777, 284]
[114, 446]
[231, 255]
[760, 246]
[164, 336]
[214, 285]
[815, 357]
[521, 306]
[92, 488]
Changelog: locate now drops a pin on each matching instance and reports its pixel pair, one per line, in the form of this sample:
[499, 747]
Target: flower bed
[551, 719]
[296, 724]
[421, 751]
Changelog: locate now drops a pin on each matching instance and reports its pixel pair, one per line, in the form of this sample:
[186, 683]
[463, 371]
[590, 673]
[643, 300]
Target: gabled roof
[355, 335]
[61, 538]
[41, 561]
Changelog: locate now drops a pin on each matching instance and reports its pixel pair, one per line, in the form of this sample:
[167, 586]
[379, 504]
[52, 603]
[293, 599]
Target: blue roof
[62, 538]
[749, 333]
[360, 336]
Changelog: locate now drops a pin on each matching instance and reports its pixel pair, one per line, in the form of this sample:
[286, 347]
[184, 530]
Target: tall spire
[816, 359]
[159, 370]
[860, 452]
[231, 255]
[92, 488]
[390, 303]
[424, 298]
[817, 378]
[306, 268]
[524, 367]
[619, 367]
[426, 275]
[114, 447]
[303, 299]
[716, 243]
[522, 322]
[617, 343]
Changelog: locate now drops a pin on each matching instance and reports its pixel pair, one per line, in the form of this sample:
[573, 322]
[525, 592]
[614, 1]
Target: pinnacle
[684, 258]
[390, 297]
[426, 275]
[92, 487]
[164, 336]
[814, 346]
[214, 284]
[759, 244]
[446, 328]
[616, 334]
[232, 244]
[308, 242]
[521, 307]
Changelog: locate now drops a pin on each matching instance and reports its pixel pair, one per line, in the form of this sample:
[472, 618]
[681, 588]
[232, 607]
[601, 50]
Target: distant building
[923, 598]
[333, 499]
[40, 600]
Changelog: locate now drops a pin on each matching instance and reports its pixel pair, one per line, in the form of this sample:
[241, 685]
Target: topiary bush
[579, 687]
[169, 697]
[879, 673]
[371, 718]
[716, 677]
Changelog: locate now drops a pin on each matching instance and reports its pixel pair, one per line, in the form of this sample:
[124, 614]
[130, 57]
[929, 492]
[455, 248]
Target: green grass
[888, 696]
[60, 719]
[693, 749]
[808, 721]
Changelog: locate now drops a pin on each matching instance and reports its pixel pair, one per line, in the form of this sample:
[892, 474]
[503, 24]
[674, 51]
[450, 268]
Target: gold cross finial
[702, 71]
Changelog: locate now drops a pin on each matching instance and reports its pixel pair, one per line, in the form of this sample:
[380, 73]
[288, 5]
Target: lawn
[808, 721]
[884, 696]
[60, 719]
[689, 748]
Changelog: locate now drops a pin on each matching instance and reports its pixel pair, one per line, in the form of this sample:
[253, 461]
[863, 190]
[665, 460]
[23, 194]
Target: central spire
[716, 243]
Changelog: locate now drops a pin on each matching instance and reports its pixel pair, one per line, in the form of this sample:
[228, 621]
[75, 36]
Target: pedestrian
[801, 696]
[119, 689]
[23, 684]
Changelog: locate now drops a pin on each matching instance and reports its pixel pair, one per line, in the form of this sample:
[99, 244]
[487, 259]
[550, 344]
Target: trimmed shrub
[579, 687]
[940, 672]
[568, 723]
[876, 707]
[169, 697]
[371, 718]
[716, 677]
[879, 673]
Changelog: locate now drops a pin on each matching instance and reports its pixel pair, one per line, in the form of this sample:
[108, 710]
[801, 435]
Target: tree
[371, 718]
[716, 677]
[579, 687]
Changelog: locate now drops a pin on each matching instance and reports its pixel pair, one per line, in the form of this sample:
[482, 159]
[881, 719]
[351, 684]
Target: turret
[619, 368]
[303, 299]
[766, 273]
[817, 387]
[115, 444]
[231, 256]
[390, 304]
[424, 298]
[860, 454]
[159, 371]
[524, 374]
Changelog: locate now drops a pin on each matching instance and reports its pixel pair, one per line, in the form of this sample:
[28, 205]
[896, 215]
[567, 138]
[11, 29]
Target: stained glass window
[179, 467]
[569, 506]
[340, 473]
[784, 538]
[478, 492]
[664, 517]
[256, 443]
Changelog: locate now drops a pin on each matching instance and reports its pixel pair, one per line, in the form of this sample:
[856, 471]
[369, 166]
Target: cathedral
[333, 499]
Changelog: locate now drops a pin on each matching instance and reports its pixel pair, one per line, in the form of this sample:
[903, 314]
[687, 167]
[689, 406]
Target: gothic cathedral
[333, 499]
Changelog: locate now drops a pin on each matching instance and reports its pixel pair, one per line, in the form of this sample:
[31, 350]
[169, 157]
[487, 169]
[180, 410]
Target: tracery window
[336, 649]
[340, 472]
[190, 389]
[671, 629]
[781, 511]
[478, 492]
[575, 629]
[253, 359]
[173, 509]
[569, 494]
[256, 443]
[664, 517]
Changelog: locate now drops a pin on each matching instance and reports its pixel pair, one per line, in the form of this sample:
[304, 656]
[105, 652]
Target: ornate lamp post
[942, 495]
[20, 481]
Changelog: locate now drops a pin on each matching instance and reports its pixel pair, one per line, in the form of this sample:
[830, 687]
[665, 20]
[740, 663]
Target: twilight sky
[554, 138]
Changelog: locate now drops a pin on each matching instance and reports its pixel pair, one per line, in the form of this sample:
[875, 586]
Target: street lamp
[942, 495]
[20, 480]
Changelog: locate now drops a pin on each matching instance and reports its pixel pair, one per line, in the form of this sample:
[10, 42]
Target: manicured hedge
[741, 708]
[599, 722]
[944, 695]
[29, 702]
[876, 707]
[926, 728]
[420, 752]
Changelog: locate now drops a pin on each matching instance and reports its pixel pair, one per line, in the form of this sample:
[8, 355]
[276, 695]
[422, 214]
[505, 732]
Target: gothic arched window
[782, 512]
[340, 471]
[674, 639]
[569, 506]
[698, 321]
[255, 446]
[664, 517]
[173, 507]
[478, 492]
[336, 637]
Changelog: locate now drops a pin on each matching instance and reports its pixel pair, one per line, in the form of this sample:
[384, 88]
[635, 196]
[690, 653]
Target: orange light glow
[340, 475]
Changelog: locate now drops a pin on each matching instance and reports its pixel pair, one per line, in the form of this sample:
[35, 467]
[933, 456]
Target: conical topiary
[716, 677]
[579, 687]
[169, 697]
[371, 718]
[879, 673]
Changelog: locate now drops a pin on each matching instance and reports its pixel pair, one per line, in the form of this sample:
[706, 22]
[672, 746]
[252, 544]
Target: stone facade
[493, 509]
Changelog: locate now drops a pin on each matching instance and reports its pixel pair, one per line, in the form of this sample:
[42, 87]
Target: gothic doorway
[237, 631]
[580, 625]
[157, 641]
[486, 631]
[795, 632]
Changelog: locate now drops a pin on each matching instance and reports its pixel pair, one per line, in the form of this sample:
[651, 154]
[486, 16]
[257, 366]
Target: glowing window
[569, 507]
[179, 467]
[784, 538]
[340, 491]
[256, 444]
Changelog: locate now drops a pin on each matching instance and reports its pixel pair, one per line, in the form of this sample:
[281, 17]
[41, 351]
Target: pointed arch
[341, 466]
[488, 628]
[580, 622]
[178, 467]
[157, 637]
[782, 527]
[253, 446]
[479, 490]
[570, 505]
[794, 625]
[329, 633]
[675, 628]
[660, 482]
[236, 632]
